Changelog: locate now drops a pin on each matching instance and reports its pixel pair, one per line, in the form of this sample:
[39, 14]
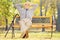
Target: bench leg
[13, 35]
[43, 29]
[7, 31]
[51, 31]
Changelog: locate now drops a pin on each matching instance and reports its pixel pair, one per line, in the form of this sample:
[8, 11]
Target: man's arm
[34, 6]
[17, 5]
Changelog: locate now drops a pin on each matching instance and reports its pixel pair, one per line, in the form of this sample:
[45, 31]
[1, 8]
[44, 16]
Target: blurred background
[45, 8]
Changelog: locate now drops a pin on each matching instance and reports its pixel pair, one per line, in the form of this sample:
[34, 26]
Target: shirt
[23, 12]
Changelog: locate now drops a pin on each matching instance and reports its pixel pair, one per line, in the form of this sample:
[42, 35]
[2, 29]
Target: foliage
[7, 9]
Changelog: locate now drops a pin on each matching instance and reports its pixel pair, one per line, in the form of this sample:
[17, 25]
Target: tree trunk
[58, 19]
[6, 24]
[40, 7]
[43, 29]
[0, 23]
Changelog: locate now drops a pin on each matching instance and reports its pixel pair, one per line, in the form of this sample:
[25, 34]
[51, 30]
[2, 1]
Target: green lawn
[32, 36]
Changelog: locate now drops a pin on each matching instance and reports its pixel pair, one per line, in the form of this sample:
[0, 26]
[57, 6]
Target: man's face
[26, 6]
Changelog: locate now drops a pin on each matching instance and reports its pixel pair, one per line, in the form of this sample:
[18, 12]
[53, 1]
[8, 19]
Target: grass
[32, 36]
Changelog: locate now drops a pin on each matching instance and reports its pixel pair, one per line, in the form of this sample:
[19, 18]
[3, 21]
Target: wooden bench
[39, 22]
[42, 21]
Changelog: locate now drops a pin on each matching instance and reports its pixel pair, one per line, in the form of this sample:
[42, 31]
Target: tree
[5, 10]
[58, 19]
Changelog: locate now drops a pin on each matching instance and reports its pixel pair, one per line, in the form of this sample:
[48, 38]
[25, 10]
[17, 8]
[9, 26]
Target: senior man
[26, 11]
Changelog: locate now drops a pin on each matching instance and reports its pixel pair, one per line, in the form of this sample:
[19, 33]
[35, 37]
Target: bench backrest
[39, 21]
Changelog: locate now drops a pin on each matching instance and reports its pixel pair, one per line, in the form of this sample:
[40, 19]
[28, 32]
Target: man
[26, 14]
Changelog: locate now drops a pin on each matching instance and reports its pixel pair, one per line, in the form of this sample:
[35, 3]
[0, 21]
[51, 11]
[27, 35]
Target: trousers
[25, 24]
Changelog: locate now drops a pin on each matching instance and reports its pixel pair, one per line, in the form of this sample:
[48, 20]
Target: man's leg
[22, 24]
[25, 25]
[28, 24]
[27, 34]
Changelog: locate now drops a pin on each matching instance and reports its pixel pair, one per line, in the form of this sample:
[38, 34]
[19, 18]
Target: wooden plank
[39, 25]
